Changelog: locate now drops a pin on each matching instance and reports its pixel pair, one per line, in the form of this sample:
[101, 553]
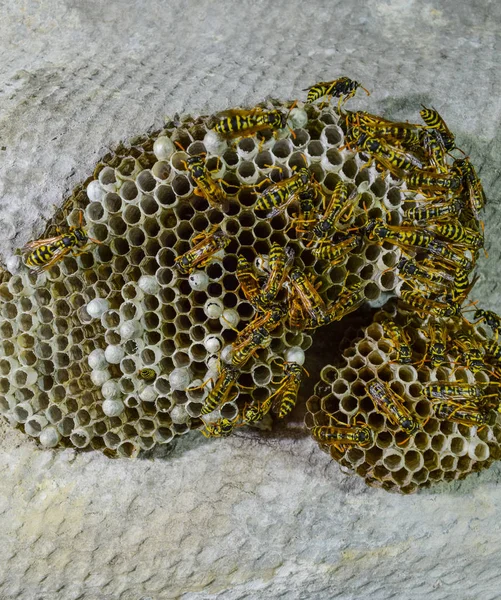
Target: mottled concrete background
[247, 517]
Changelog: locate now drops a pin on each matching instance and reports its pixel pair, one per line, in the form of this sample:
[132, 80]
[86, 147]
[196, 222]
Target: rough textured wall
[252, 516]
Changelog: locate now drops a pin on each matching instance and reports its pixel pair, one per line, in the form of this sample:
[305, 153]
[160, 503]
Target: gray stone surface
[249, 517]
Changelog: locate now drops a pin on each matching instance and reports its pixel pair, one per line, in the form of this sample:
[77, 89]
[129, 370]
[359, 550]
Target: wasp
[305, 296]
[238, 123]
[336, 253]
[343, 436]
[400, 341]
[434, 211]
[422, 305]
[432, 143]
[402, 134]
[221, 392]
[435, 122]
[206, 186]
[286, 395]
[471, 183]
[378, 231]
[340, 206]
[256, 335]
[391, 404]
[460, 414]
[396, 161]
[283, 192]
[410, 269]
[147, 374]
[279, 263]
[253, 413]
[493, 350]
[449, 255]
[343, 88]
[453, 390]
[207, 244]
[438, 344]
[348, 300]
[41, 255]
[432, 181]
[457, 233]
[461, 285]
[248, 281]
[491, 318]
[470, 354]
[221, 428]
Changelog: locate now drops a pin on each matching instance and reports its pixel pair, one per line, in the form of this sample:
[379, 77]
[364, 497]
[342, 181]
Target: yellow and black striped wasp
[280, 194]
[336, 252]
[207, 244]
[471, 184]
[343, 436]
[221, 392]
[448, 253]
[343, 88]
[434, 212]
[459, 234]
[41, 255]
[424, 306]
[461, 286]
[399, 339]
[340, 207]
[240, 122]
[378, 231]
[254, 412]
[256, 335]
[249, 283]
[221, 428]
[286, 395]
[206, 186]
[437, 333]
[403, 135]
[425, 180]
[279, 263]
[434, 149]
[491, 318]
[442, 391]
[349, 299]
[409, 269]
[470, 353]
[304, 299]
[392, 405]
[393, 159]
[436, 123]
[465, 415]
[147, 374]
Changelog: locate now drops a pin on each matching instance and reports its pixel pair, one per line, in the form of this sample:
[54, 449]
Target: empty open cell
[384, 439]
[376, 421]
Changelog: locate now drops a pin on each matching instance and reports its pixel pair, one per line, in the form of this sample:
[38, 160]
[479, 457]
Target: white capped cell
[113, 408]
[298, 118]
[114, 354]
[179, 379]
[148, 284]
[95, 192]
[163, 148]
[49, 437]
[213, 308]
[178, 414]
[148, 394]
[295, 355]
[110, 389]
[97, 307]
[130, 330]
[214, 144]
[230, 318]
[96, 359]
[99, 376]
[213, 343]
[198, 280]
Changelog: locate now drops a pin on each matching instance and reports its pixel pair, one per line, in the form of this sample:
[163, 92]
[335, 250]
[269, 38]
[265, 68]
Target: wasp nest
[445, 445]
[77, 338]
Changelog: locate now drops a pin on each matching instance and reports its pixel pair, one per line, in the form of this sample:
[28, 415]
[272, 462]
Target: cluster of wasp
[437, 236]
